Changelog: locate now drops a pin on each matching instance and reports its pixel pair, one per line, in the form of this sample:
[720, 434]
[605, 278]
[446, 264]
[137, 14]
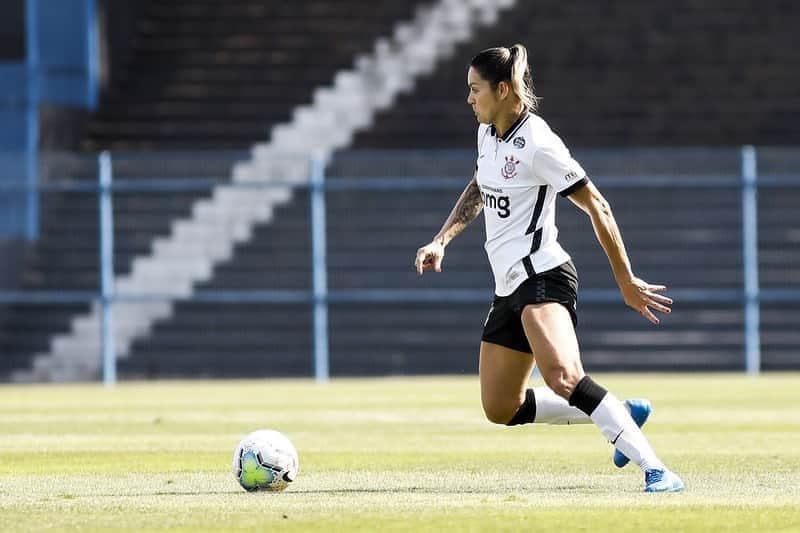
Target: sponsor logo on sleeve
[572, 176]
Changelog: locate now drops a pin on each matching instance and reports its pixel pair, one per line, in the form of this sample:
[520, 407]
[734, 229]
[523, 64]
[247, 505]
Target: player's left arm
[638, 294]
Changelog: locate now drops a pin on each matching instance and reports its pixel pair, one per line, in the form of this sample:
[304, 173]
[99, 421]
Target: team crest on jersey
[519, 142]
[510, 168]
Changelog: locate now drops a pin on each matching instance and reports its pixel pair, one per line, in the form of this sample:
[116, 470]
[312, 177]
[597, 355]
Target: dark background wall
[118, 20]
[12, 30]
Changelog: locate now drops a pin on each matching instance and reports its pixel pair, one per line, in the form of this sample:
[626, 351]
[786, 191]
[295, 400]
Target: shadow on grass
[154, 493]
[496, 491]
[448, 490]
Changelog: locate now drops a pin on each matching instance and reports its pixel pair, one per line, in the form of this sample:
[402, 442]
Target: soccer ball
[265, 460]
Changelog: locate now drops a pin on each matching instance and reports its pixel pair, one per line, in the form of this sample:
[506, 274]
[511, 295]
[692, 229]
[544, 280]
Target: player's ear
[503, 89]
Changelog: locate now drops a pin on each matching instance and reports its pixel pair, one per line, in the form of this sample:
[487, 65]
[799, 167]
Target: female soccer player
[521, 166]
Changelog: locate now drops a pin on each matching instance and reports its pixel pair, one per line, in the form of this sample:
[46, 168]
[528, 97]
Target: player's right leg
[553, 409]
[640, 410]
[550, 331]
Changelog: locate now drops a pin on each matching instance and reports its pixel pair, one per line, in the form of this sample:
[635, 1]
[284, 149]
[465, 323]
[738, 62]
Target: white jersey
[519, 176]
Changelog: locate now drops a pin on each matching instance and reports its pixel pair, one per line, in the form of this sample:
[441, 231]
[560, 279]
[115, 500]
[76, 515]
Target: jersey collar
[514, 127]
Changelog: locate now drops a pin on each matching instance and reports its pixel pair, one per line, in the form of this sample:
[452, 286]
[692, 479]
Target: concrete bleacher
[372, 238]
[66, 255]
[626, 74]
[198, 78]
[241, 339]
[210, 74]
[687, 237]
[779, 256]
[687, 224]
[198, 75]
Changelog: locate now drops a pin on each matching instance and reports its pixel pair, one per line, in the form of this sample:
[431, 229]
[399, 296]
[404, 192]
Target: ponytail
[521, 81]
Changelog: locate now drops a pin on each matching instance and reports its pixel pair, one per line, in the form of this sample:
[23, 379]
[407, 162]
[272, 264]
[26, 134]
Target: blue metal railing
[750, 295]
[750, 256]
[107, 269]
[32, 119]
[320, 270]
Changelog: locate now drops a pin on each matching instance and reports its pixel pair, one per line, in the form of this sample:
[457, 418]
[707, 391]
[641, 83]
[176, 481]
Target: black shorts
[503, 325]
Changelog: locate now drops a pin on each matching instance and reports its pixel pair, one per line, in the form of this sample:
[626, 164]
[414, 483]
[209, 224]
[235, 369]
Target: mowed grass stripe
[392, 454]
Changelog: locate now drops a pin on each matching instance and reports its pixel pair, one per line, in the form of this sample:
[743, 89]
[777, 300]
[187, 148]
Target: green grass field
[393, 454]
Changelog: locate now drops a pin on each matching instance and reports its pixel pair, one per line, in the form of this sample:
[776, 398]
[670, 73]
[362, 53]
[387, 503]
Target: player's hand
[430, 256]
[643, 296]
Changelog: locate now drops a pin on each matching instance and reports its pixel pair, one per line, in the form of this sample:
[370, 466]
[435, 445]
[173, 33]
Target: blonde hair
[509, 65]
[521, 80]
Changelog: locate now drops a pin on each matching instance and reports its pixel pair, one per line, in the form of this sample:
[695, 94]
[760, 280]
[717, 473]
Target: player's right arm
[467, 208]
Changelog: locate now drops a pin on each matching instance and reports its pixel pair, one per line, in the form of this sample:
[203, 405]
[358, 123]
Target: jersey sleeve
[481, 136]
[557, 168]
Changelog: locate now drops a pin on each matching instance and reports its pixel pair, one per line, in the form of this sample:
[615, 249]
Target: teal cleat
[640, 410]
[658, 480]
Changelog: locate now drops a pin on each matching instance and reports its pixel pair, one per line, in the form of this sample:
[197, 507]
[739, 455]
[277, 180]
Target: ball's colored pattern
[254, 475]
[265, 460]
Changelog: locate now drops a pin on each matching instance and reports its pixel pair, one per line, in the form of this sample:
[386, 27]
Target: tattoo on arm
[467, 208]
[469, 204]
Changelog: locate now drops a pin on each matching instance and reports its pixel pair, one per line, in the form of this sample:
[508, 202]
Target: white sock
[553, 409]
[618, 427]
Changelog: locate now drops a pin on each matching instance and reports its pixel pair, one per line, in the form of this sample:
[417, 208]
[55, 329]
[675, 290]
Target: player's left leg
[551, 334]
[555, 410]
[504, 374]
